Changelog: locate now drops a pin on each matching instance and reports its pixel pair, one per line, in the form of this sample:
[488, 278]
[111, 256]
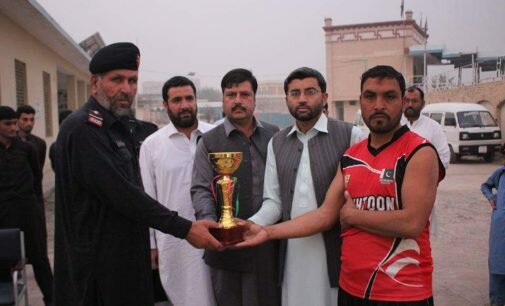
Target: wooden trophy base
[228, 236]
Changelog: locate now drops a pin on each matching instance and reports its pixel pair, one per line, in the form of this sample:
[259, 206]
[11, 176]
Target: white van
[470, 128]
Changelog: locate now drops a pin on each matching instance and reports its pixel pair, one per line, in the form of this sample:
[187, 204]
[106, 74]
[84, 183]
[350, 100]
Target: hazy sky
[271, 37]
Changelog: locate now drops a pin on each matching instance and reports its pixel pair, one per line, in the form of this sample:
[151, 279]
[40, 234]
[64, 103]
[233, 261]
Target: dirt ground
[459, 246]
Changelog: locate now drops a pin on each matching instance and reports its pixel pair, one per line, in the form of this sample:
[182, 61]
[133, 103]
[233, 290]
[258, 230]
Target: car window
[450, 119]
[475, 119]
[437, 117]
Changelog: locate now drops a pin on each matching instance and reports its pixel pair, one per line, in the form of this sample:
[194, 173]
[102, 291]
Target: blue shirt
[497, 232]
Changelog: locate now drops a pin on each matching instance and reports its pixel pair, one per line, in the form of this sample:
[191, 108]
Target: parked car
[470, 129]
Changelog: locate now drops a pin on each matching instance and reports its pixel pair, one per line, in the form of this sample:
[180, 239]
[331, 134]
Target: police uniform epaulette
[95, 118]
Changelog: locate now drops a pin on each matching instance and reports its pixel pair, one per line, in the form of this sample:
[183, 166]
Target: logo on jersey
[387, 176]
[379, 203]
[403, 256]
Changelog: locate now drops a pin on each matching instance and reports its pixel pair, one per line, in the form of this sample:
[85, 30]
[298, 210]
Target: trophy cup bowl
[225, 163]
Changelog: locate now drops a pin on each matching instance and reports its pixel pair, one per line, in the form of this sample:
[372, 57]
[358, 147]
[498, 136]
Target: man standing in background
[429, 129]
[20, 194]
[26, 121]
[424, 126]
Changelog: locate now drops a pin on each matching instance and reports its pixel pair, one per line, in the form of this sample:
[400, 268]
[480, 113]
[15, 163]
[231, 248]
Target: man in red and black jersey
[392, 179]
[382, 194]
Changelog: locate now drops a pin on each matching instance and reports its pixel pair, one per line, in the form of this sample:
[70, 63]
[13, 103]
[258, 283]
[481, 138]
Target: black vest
[216, 140]
[325, 151]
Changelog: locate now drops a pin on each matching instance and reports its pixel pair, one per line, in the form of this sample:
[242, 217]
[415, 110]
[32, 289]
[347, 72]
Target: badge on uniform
[387, 176]
[95, 118]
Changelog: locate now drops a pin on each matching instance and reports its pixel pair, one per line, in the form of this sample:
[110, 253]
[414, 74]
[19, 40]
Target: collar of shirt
[420, 121]
[172, 130]
[320, 126]
[229, 127]
[417, 122]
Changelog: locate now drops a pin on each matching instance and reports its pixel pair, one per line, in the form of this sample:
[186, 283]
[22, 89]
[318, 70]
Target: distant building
[152, 88]
[210, 111]
[352, 49]
[40, 65]
[149, 107]
[271, 103]
[270, 97]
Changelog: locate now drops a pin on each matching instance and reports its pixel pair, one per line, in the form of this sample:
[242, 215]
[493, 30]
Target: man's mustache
[379, 113]
[303, 106]
[122, 96]
[238, 106]
[186, 111]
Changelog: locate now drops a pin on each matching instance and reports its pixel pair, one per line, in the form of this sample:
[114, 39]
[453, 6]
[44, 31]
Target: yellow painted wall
[16, 43]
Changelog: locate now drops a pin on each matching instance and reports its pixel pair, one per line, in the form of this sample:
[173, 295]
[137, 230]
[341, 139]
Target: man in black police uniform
[102, 215]
[20, 193]
[26, 121]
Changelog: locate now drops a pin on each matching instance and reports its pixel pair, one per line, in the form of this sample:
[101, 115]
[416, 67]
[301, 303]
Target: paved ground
[459, 247]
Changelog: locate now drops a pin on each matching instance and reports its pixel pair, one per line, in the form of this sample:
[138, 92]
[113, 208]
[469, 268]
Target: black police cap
[123, 55]
[7, 113]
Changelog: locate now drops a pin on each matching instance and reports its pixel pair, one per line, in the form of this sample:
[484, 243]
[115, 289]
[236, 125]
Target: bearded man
[301, 163]
[102, 214]
[166, 162]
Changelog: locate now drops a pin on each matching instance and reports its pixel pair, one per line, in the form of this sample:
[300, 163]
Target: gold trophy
[223, 186]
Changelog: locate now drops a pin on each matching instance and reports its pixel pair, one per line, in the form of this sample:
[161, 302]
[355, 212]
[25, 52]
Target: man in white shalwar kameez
[429, 129]
[166, 162]
[307, 277]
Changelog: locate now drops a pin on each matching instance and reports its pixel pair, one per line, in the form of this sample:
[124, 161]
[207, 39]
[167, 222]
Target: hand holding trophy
[223, 188]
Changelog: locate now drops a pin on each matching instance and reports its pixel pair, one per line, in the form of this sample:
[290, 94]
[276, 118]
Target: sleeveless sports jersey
[376, 267]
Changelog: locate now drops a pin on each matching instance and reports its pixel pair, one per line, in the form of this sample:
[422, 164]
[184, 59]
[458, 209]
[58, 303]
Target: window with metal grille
[48, 110]
[21, 91]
